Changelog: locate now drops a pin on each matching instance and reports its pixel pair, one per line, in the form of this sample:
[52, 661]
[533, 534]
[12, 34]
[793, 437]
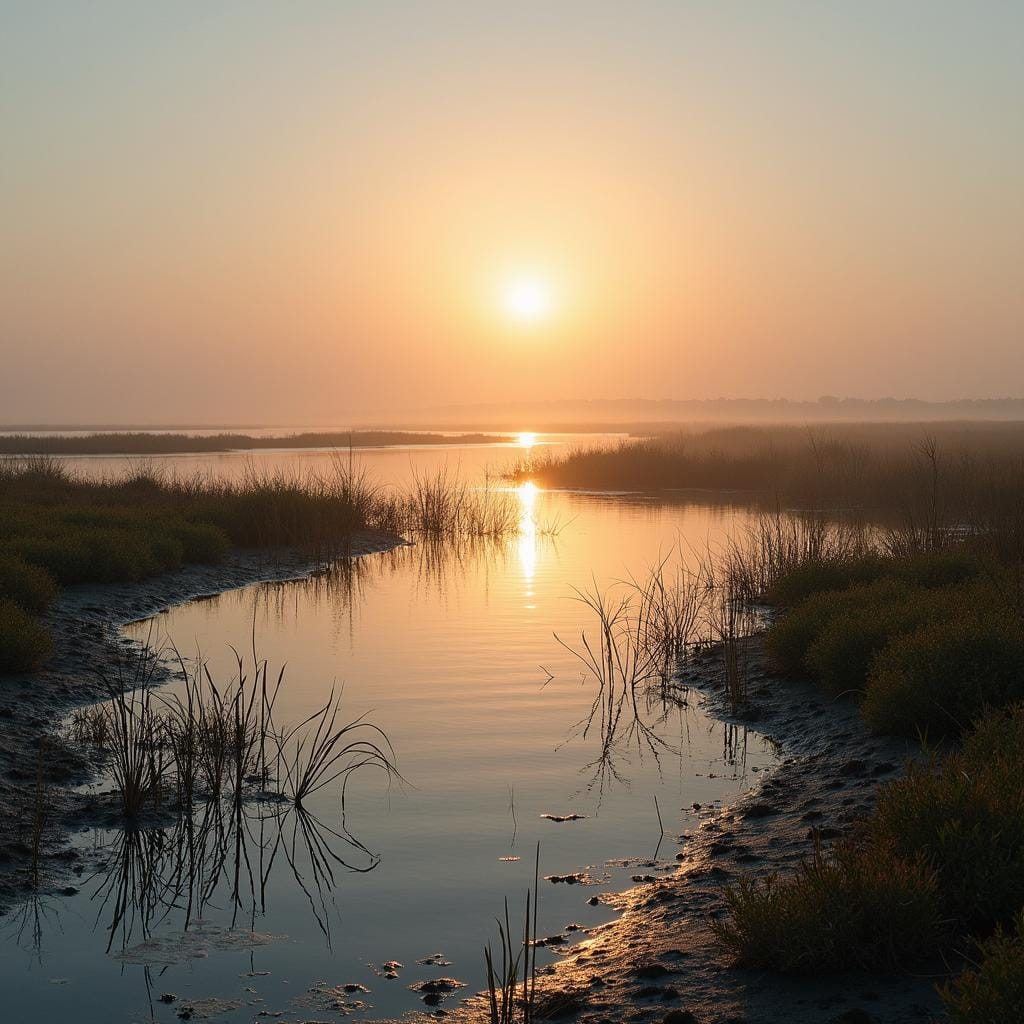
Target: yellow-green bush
[965, 816]
[992, 991]
[854, 906]
[24, 642]
[938, 678]
[26, 585]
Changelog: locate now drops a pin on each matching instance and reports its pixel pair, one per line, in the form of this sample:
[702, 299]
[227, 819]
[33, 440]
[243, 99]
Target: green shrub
[66, 559]
[168, 551]
[818, 576]
[856, 906]
[841, 654]
[27, 585]
[790, 637]
[965, 816]
[201, 542]
[24, 643]
[936, 568]
[938, 678]
[931, 570]
[993, 991]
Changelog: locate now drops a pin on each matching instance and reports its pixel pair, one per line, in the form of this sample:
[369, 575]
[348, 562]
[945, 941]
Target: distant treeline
[641, 415]
[145, 443]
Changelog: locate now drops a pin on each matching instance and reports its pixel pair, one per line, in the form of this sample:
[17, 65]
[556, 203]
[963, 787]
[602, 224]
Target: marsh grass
[845, 907]
[991, 987]
[63, 529]
[941, 857]
[219, 741]
[512, 974]
[316, 752]
[931, 475]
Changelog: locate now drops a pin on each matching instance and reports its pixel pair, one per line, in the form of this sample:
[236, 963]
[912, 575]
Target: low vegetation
[925, 628]
[888, 467]
[993, 989]
[61, 529]
[150, 443]
[217, 741]
[941, 857]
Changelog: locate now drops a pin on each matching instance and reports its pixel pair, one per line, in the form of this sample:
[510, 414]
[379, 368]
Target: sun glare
[527, 439]
[526, 300]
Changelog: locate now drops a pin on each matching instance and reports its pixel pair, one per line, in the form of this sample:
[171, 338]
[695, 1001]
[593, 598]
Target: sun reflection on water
[527, 544]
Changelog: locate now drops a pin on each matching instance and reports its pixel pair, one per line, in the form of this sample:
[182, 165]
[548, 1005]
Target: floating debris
[564, 817]
[573, 878]
[435, 960]
[509, 860]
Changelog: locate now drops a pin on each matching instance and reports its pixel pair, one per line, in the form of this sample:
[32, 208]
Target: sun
[526, 300]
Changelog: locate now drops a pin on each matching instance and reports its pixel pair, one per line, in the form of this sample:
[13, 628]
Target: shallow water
[452, 653]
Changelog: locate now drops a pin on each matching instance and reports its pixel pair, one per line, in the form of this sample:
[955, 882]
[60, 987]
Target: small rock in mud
[434, 991]
[643, 878]
[652, 970]
[679, 1017]
[593, 901]
[353, 986]
[564, 817]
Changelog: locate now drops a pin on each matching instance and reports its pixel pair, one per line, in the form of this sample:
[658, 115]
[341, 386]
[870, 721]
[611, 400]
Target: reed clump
[926, 473]
[512, 972]
[219, 741]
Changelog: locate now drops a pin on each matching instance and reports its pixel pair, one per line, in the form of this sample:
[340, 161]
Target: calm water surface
[452, 654]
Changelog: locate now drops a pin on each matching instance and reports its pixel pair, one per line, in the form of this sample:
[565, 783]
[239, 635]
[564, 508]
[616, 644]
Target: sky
[306, 212]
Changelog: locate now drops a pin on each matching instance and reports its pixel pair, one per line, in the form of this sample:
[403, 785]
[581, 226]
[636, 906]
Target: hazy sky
[289, 212]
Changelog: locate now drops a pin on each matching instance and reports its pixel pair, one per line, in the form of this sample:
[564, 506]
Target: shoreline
[659, 961]
[85, 622]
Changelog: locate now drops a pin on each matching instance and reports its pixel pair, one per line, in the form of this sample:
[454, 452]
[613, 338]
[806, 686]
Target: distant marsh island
[144, 443]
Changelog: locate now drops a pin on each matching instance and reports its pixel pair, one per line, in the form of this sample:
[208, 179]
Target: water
[453, 655]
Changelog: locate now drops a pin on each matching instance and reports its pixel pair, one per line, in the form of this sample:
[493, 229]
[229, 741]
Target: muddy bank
[660, 962]
[36, 769]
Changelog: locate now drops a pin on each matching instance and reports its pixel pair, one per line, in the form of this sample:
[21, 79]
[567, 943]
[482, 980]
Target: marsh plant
[512, 970]
[215, 741]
